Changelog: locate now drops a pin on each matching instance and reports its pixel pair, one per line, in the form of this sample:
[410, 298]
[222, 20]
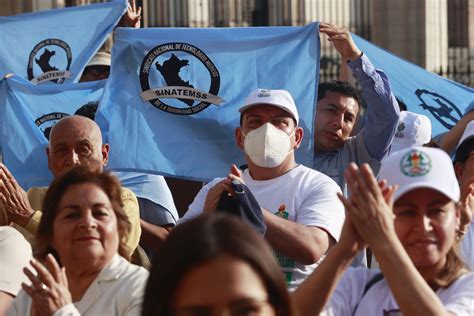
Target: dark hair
[342, 87]
[201, 240]
[462, 153]
[88, 110]
[401, 105]
[79, 175]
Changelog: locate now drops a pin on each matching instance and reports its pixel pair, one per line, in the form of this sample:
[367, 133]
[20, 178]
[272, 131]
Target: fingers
[235, 174]
[389, 196]
[43, 274]
[54, 268]
[333, 30]
[235, 171]
[370, 180]
[5, 172]
[356, 186]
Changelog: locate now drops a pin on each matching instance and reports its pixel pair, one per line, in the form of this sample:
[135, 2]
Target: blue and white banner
[28, 113]
[424, 92]
[55, 45]
[171, 103]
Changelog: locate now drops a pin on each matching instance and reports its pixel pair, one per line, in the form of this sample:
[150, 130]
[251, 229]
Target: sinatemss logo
[179, 78]
[50, 60]
[47, 121]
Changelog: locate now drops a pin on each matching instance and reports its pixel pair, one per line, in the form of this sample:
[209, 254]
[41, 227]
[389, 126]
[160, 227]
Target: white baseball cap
[468, 134]
[420, 167]
[279, 98]
[413, 130]
[15, 254]
[100, 59]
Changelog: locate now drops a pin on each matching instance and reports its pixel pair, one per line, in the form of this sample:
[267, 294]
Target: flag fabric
[28, 112]
[55, 45]
[442, 100]
[171, 103]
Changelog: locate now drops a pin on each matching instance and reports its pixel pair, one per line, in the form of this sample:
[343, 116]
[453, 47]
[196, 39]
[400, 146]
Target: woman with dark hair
[412, 230]
[81, 269]
[215, 263]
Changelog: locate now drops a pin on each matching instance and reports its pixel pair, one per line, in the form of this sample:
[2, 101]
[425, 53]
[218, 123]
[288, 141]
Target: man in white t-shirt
[300, 206]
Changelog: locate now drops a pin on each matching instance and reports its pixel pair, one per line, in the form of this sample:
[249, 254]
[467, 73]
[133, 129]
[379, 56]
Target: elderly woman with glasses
[413, 233]
[80, 267]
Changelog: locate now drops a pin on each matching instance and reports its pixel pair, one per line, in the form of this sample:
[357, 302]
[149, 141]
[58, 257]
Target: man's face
[258, 115]
[94, 73]
[76, 143]
[335, 117]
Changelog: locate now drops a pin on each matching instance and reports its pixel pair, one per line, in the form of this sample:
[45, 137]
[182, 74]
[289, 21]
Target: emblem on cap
[264, 93]
[400, 129]
[415, 164]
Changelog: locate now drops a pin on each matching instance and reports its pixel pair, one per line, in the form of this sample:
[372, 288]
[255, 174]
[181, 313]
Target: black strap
[375, 279]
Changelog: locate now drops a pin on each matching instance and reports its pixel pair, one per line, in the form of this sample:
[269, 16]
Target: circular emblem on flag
[179, 78]
[415, 163]
[49, 60]
[47, 121]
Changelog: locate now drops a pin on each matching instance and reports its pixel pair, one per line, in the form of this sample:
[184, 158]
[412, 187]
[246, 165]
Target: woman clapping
[413, 232]
[81, 239]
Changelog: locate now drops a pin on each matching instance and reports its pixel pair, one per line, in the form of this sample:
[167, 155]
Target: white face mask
[267, 146]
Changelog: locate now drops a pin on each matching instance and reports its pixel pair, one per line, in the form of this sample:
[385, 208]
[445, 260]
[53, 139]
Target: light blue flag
[55, 45]
[424, 92]
[171, 103]
[28, 113]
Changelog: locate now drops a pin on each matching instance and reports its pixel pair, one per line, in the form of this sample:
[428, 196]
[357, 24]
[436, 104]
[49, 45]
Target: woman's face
[85, 226]
[223, 286]
[426, 222]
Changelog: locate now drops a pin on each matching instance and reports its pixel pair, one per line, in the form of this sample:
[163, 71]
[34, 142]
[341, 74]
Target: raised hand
[49, 288]
[132, 17]
[341, 40]
[369, 207]
[13, 199]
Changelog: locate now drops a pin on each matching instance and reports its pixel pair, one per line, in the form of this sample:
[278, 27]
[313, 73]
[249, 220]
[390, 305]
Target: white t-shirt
[378, 300]
[302, 195]
[467, 247]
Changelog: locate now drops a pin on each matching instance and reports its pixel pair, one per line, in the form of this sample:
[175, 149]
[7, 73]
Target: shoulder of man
[318, 178]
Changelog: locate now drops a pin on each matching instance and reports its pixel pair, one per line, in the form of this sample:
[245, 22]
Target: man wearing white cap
[464, 168]
[413, 130]
[299, 205]
[15, 254]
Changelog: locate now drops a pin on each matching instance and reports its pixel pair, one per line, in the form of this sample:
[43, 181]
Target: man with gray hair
[74, 140]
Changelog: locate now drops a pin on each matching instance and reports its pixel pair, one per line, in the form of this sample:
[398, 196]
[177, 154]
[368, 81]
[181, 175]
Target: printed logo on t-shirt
[281, 211]
[415, 164]
[285, 262]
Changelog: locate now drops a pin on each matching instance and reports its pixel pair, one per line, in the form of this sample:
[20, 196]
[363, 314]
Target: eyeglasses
[247, 307]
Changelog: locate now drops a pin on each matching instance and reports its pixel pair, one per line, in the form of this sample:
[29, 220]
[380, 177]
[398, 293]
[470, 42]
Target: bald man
[74, 140]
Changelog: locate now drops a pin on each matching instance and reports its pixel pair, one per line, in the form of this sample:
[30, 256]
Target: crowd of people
[380, 224]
